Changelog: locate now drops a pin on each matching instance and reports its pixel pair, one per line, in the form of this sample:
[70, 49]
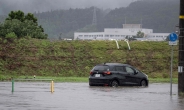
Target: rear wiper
[96, 70]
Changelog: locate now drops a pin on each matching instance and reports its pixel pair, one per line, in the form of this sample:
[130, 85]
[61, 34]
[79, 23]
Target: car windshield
[101, 68]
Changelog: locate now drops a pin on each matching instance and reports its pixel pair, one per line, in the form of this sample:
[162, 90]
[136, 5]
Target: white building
[128, 30]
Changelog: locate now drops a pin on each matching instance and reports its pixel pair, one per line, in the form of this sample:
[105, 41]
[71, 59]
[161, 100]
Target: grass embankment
[75, 59]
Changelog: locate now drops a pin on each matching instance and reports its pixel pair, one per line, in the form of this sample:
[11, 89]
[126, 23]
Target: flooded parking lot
[79, 96]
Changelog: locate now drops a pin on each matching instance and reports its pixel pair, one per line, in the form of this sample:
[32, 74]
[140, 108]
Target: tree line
[161, 16]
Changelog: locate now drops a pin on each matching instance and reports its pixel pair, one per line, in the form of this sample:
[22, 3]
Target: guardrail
[51, 85]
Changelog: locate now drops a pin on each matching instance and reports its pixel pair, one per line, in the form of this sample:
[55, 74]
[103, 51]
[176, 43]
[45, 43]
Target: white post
[116, 43]
[126, 40]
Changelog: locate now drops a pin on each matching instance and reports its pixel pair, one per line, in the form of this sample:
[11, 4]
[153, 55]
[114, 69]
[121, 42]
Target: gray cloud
[46, 5]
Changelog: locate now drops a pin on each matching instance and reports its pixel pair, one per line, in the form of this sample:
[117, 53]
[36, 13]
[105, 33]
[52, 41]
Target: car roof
[113, 64]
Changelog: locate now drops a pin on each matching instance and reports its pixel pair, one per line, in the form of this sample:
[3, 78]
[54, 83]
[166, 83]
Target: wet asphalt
[80, 96]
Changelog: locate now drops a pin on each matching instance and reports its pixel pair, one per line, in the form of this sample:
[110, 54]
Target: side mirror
[136, 72]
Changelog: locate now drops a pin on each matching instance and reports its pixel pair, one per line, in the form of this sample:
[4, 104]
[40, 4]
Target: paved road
[79, 96]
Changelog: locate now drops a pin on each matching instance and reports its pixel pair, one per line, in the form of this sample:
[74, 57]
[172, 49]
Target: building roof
[132, 26]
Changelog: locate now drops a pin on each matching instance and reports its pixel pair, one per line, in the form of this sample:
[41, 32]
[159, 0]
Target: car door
[121, 75]
[132, 77]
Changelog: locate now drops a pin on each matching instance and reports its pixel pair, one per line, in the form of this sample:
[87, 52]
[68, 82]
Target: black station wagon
[117, 74]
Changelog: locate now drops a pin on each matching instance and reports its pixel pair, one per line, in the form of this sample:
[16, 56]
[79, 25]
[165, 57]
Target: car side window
[129, 70]
[120, 68]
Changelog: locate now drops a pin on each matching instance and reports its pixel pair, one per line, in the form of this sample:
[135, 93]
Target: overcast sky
[46, 5]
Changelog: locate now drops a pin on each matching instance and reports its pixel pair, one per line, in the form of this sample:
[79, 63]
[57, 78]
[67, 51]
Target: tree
[16, 15]
[140, 34]
[22, 26]
[19, 15]
[30, 17]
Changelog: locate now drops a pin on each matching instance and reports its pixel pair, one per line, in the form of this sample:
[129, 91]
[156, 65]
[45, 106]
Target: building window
[111, 35]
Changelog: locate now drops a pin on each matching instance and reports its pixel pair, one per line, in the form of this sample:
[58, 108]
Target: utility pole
[181, 49]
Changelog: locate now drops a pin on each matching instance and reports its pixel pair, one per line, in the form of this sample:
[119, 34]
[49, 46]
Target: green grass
[66, 79]
[46, 78]
[83, 79]
[163, 80]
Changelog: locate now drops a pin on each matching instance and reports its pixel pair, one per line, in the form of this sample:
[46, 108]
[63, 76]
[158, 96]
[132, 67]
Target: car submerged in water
[117, 74]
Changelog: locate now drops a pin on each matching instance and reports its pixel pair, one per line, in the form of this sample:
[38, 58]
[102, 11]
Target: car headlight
[146, 75]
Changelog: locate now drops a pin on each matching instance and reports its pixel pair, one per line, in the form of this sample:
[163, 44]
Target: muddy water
[79, 96]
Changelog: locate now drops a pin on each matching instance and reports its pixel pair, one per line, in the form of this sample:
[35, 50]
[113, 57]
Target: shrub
[11, 36]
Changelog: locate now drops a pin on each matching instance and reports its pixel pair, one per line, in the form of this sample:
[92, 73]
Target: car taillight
[91, 72]
[107, 72]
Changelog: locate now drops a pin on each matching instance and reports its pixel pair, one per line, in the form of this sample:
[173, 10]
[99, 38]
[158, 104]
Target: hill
[27, 57]
[161, 16]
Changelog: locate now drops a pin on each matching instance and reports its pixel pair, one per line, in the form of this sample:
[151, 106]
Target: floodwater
[79, 96]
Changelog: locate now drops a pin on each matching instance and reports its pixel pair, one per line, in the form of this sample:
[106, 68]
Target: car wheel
[143, 83]
[91, 84]
[114, 83]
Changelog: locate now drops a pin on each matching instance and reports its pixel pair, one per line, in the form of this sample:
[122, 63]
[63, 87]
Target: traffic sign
[173, 39]
[173, 43]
